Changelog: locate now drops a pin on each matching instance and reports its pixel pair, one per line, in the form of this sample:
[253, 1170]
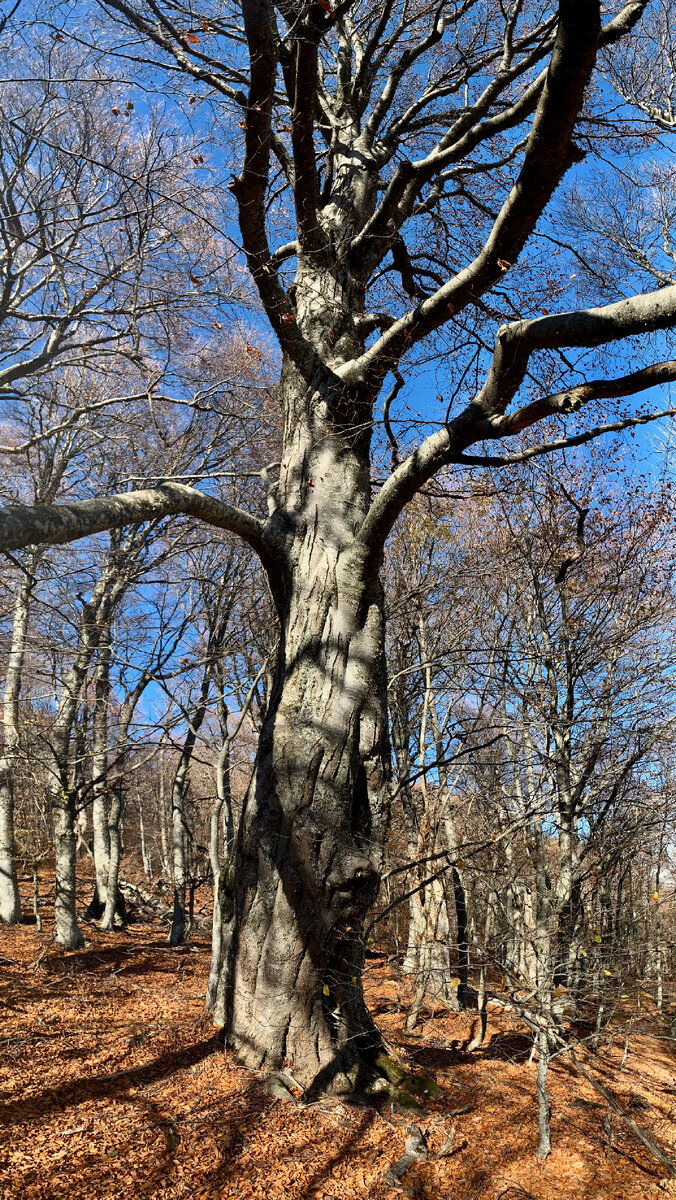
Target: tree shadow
[129, 958]
[86, 1087]
[320, 1176]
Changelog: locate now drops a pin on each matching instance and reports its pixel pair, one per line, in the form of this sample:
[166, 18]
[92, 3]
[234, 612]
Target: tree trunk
[179, 928]
[96, 615]
[68, 932]
[178, 794]
[544, 1142]
[114, 898]
[146, 856]
[162, 818]
[10, 905]
[100, 839]
[222, 807]
[307, 859]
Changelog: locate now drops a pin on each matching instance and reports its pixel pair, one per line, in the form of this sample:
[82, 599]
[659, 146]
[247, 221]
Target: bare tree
[369, 136]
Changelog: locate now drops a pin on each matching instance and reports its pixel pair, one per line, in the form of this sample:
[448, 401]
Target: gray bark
[307, 858]
[306, 866]
[96, 614]
[10, 905]
[112, 904]
[162, 816]
[222, 811]
[100, 838]
[179, 788]
[544, 1144]
[115, 905]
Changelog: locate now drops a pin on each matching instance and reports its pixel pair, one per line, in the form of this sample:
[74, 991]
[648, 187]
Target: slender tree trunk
[100, 838]
[178, 795]
[68, 932]
[222, 807]
[308, 851]
[10, 905]
[416, 928]
[114, 855]
[179, 789]
[162, 818]
[36, 895]
[544, 1143]
[115, 904]
[146, 857]
[95, 616]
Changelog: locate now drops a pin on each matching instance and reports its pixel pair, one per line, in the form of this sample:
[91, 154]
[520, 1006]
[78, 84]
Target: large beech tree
[369, 132]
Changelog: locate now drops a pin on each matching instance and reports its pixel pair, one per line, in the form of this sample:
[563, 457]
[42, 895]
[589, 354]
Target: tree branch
[35, 524]
[250, 186]
[588, 327]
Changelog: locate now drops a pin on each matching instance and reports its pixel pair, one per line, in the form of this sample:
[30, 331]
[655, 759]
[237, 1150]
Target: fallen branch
[642, 1136]
[449, 1147]
[415, 1150]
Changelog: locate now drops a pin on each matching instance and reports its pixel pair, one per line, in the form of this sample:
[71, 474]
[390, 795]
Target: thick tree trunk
[307, 860]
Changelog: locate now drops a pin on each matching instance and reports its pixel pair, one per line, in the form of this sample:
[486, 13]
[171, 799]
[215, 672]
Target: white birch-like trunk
[114, 855]
[10, 904]
[100, 836]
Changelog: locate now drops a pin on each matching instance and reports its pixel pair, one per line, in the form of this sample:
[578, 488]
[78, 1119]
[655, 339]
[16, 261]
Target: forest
[337, 743]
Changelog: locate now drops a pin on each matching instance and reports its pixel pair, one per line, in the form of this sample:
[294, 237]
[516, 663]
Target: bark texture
[307, 859]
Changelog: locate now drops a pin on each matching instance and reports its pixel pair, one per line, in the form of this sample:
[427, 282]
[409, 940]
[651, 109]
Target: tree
[369, 137]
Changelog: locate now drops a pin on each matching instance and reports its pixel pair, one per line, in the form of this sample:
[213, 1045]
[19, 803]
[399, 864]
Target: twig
[41, 956]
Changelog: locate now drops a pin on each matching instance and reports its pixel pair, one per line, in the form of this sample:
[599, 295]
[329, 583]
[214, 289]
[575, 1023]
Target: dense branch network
[331, 122]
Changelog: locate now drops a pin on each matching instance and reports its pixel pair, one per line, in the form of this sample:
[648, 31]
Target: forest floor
[113, 1086]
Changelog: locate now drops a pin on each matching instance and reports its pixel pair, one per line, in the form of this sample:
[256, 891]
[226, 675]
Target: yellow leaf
[655, 896]
[455, 982]
[325, 989]
[607, 972]
[354, 978]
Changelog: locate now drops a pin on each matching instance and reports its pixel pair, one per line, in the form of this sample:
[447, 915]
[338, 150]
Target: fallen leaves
[113, 1085]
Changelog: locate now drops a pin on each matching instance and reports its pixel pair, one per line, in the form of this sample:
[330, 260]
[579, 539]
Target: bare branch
[25, 524]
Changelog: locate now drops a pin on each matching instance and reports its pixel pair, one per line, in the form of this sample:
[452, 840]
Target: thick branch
[576, 439]
[589, 327]
[35, 524]
[250, 187]
[447, 445]
[301, 84]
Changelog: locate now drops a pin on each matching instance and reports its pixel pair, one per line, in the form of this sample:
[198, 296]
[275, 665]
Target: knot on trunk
[352, 882]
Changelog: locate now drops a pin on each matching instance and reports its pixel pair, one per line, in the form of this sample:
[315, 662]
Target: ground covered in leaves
[113, 1085]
